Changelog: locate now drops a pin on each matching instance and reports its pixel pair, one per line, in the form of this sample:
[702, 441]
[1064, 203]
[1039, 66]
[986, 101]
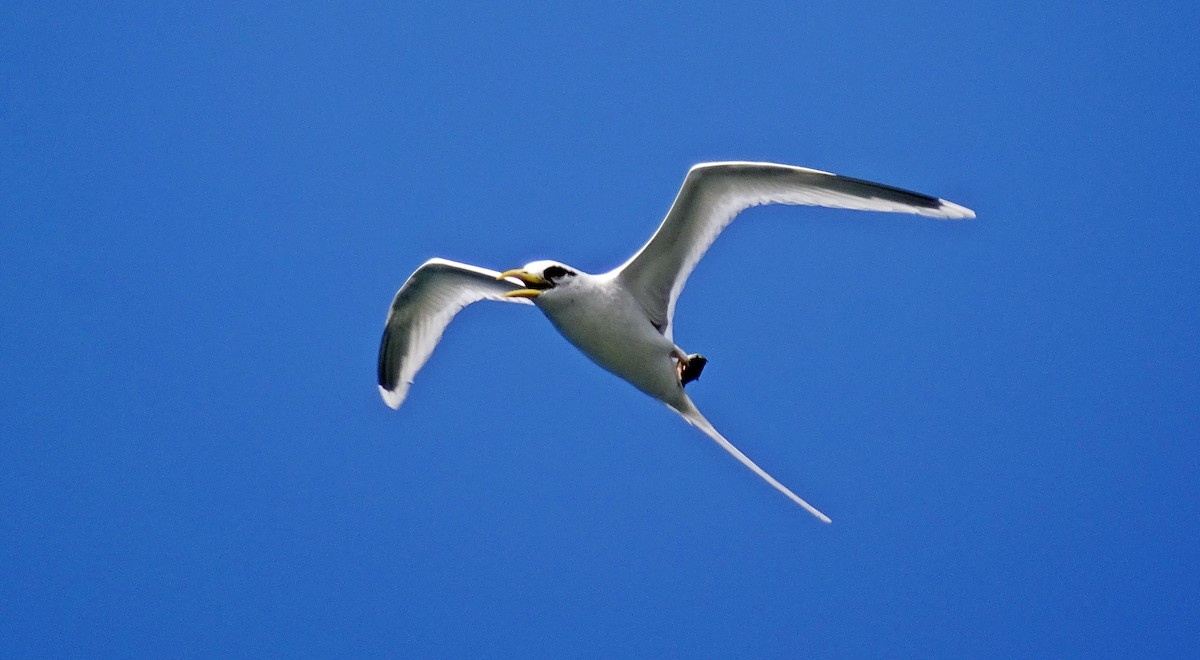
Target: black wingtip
[387, 374]
[909, 197]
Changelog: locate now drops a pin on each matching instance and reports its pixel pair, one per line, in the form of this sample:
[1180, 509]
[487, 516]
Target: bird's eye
[554, 272]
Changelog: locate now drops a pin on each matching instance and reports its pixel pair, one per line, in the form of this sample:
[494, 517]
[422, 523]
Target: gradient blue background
[207, 209]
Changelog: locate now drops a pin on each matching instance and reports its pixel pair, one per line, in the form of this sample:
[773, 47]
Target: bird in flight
[622, 319]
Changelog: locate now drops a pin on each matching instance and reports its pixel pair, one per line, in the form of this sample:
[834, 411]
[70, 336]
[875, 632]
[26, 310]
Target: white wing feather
[420, 312]
[713, 193]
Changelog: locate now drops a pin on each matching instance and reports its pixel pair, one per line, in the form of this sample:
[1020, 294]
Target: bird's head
[539, 276]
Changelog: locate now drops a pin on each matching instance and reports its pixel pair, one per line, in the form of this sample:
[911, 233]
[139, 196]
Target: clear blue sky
[206, 210]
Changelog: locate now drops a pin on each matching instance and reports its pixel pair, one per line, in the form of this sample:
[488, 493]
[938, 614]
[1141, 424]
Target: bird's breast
[608, 325]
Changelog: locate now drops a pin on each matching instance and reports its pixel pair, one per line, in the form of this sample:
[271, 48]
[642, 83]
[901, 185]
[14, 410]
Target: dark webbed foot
[691, 369]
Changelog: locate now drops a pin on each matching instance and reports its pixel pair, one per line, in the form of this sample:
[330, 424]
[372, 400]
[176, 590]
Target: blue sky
[207, 208]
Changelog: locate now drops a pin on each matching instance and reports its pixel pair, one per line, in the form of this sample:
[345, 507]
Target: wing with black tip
[420, 312]
[713, 193]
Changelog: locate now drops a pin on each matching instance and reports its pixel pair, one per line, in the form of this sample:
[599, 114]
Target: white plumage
[622, 319]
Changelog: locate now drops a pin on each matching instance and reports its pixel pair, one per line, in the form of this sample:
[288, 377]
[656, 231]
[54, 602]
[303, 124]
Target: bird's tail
[693, 417]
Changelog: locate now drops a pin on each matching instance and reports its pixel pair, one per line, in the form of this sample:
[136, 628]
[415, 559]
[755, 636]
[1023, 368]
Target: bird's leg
[689, 366]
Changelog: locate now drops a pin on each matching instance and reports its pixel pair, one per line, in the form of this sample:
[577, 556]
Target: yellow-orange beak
[536, 283]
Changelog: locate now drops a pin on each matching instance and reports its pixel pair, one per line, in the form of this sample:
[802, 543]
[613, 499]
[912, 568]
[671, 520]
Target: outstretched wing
[420, 312]
[713, 193]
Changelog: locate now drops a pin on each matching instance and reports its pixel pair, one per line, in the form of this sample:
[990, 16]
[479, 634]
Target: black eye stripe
[555, 272]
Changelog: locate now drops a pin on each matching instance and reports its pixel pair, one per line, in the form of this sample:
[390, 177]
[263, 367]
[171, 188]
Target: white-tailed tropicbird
[622, 319]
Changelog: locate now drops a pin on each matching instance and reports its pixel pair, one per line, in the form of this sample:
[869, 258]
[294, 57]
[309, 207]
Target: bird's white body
[623, 320]
[608, 325]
